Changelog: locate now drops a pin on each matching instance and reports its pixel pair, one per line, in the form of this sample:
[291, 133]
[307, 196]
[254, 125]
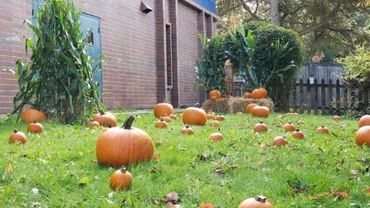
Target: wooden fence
[321, 97]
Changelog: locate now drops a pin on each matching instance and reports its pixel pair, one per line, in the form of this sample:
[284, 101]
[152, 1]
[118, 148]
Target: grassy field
[59, 169]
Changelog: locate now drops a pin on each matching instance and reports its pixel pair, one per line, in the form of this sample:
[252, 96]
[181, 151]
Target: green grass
[62, 166]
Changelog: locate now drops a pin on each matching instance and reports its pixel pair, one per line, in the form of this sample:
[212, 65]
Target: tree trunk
[274, 11]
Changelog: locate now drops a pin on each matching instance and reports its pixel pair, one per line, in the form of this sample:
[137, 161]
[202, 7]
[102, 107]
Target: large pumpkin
[124, 146]
[105, 119]
[364, 121]
[257, 202]
[163, 109]
[214, 95]
[249, 107]
[260, 111]
[259, 93]
[363, 136]
[30, 115]
[194, 116]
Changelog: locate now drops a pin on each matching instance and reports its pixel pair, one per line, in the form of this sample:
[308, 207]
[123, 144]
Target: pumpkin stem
[123, 169]
[128, 122]
[261, 122]
[161, 119]
[34, 121]
[297, 130]
[261, 199]
[186, 126]
[101, 111]
[15, 131]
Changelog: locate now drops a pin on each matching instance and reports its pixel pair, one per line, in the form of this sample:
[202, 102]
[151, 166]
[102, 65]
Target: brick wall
[133, 73]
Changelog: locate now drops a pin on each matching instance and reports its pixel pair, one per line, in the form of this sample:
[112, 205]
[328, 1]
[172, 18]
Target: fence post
[323, 97]
[345, 98]
[330, 95]
[337, 88]
[316, 96]
[311, 96]
[301, 96]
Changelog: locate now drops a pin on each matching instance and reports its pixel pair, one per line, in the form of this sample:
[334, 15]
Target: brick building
[150, 57]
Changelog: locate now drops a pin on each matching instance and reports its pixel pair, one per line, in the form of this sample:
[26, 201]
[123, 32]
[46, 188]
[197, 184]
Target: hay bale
[220, 105]
[235, 104]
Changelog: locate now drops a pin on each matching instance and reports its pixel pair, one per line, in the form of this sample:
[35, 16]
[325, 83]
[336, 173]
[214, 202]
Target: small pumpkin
[211, 115]
[120, 179]
[163, 109]
[216, 137]
[173, 116]
[206, 205]
[336, 118]
[187, 130]
[298, 134]
[289, 127]
[249, 107]
[256, 202]
[300, 122]
[364, 121]
[259, 93]
[260, 127]
[214, 95]
[363, 136]
[93, 124]
[161, 124]
[220, 117]
[194, 116]
[35, 128]
[323, 130]
[18, 136]
[105, 118]
[30, 115]
[166, 118]
[124, 146]
[280, 141]
[260, 111]
[247, 95]
[215, 124]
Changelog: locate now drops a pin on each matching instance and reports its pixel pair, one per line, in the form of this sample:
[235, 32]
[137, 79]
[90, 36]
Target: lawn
[59, 169]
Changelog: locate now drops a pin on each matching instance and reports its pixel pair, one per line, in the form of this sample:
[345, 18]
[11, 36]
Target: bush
[210, 68]
[58, 78]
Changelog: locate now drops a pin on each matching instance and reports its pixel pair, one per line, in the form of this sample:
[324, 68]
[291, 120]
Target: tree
[334, 27]
[274, 10]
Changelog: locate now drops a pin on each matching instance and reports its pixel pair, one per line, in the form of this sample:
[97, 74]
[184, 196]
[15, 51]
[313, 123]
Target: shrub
[210, 67]
[58, 78]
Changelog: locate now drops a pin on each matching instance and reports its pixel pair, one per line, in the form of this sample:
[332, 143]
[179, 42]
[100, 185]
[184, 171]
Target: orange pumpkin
[30, 115]
[206, 205]
[364, 121]
[298, 134]
[194, 116]
[323, 130]
[173, 116]
[161, 124]
[124, 146]
[166, 118]
[211, 115]
[35, 128]
[363, 136]
[247, 95]
[187, 130]
[260, 127]
[216, 137]
[214, 95]
[18, 136]
[280, 141]
[105, 119]
[93, 124]
[289, 127]
[256, 202]
[260, 111]
[215, 124]
[250, 107]
[163, 109]
[336, 118]
[259, 93]
[220, 117]
[120, 179]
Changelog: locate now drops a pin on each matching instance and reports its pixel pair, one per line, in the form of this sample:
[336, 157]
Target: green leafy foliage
[210, 68]
[58, 78]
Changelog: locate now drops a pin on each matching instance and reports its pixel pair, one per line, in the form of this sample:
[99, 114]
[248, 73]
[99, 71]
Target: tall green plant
[210, 67]
[58, 78]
